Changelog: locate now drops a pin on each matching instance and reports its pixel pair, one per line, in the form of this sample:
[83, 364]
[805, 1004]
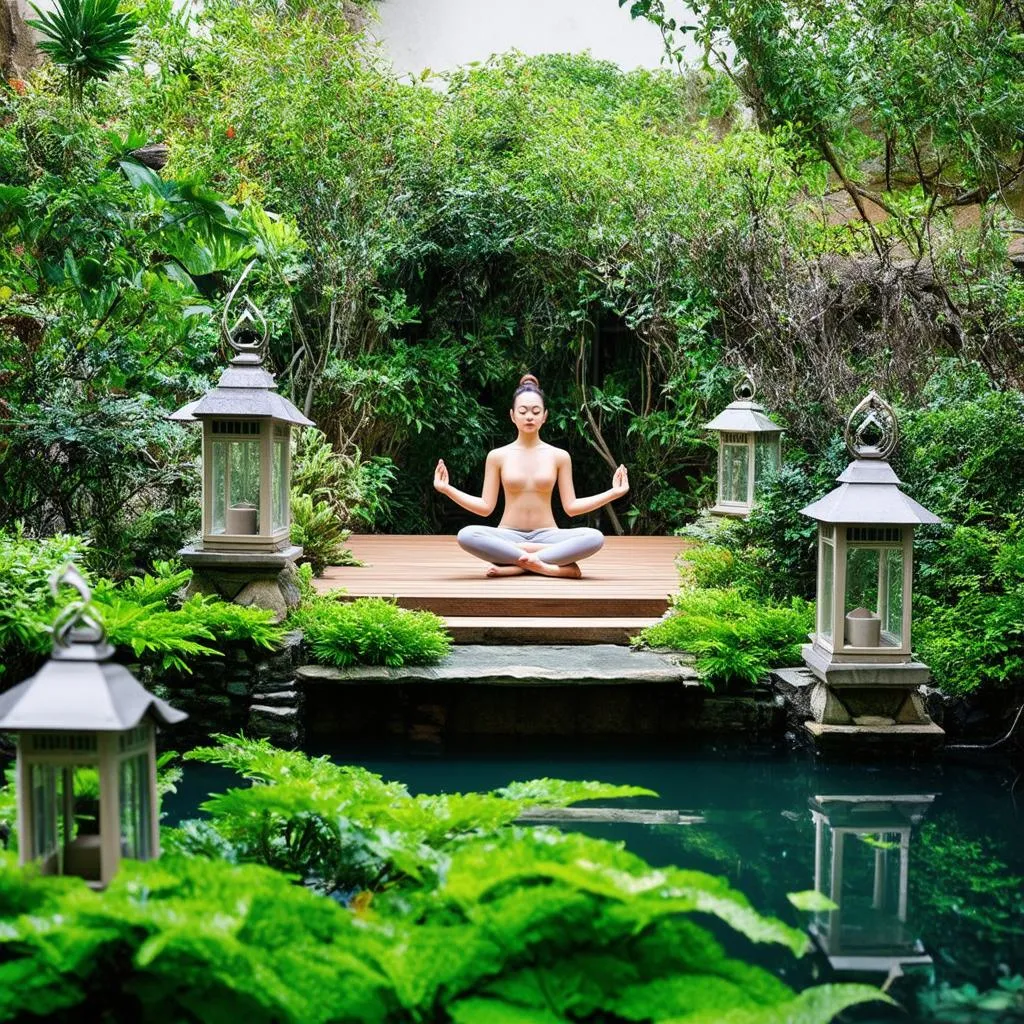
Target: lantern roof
[859, 501]
[79, 688]
[245, 388]
[86, 696]
[869, 490]
[744, 416]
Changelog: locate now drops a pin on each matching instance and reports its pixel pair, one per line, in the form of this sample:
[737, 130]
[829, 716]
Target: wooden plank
[630, 578]
[470, 629]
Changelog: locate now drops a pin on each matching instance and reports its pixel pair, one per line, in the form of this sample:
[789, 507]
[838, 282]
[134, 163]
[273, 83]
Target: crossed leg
[511, 555]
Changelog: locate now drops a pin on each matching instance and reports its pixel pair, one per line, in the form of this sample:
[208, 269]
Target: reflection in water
[862, 863]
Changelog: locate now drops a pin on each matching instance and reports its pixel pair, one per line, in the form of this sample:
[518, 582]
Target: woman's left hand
[620, 482]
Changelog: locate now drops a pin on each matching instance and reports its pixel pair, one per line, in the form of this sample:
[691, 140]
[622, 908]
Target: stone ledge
[505, 665]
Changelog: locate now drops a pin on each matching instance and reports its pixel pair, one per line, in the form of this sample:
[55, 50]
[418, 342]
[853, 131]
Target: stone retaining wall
[248, 689]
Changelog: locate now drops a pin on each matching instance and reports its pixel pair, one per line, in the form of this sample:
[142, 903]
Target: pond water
[924, 861]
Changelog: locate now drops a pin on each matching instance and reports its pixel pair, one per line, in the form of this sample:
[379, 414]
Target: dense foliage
[370, 631]
[734, 640]
[625, 235]
[143, 614]
[446, 911]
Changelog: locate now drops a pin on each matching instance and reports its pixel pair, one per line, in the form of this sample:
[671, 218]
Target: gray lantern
[866, 548]
[862, 863]
[246, 445]
[82, 710]
[749, 446]
[861, 651]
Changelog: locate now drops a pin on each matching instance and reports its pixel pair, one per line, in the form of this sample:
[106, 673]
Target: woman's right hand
[440, 476]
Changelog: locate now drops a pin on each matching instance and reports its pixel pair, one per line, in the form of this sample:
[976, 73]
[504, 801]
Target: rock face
[18, 53]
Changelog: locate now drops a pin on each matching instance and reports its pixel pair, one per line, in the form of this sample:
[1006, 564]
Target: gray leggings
[499, 544]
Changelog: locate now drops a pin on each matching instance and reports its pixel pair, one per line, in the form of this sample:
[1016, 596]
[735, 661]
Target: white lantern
[866, 550]
[862, 864]
[82, 711]
[749, 446]
[246, 446]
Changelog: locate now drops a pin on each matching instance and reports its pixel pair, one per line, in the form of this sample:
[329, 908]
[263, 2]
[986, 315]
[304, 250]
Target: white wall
[443, 34]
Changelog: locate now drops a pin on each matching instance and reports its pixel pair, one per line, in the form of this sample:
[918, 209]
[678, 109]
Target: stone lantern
[749, 446]
[862, 863]
[245, 554]
[82, 710]
[861, 653]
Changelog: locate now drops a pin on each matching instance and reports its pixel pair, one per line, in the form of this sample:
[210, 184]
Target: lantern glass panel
[767, 452]
[46, 799]
[862, 578]
[136, 808]
[219, 485]
[279, 479]
[244, 485]
[735, 472]
[892, 614]
[826, 585]
[874, 582]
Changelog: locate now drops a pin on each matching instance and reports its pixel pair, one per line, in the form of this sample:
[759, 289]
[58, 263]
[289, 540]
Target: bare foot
[530, 547]
[532, 563]
[505, 570]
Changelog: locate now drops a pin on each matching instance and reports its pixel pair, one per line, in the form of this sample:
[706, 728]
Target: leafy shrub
[370, 631]
[358, 490]
[136, 613]
[89, 39]
[734, 639]
[959, 451]
[26, 605]
[443, 910]
[979, 641]
[317, 527]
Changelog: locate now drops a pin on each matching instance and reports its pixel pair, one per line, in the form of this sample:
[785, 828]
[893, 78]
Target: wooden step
[627, 583]
[560, 629]
[600, 605]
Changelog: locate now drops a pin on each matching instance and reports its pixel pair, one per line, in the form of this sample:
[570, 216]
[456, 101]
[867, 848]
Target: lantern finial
[872, 431]
[250, 332]
[744, 389]
[76, 626]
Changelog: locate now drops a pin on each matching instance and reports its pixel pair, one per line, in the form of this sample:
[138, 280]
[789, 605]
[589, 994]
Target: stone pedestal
[861, 710]
[261, 579]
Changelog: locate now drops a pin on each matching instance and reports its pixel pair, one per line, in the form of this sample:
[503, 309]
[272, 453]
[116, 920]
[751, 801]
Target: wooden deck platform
[625, 587]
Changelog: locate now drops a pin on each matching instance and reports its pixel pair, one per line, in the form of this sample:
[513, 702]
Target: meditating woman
[527, 469]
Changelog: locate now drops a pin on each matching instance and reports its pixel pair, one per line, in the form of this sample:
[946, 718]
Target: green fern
[735, 639]
[371, 631]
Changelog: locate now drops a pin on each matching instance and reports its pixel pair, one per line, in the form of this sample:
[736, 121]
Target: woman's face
[528, 412]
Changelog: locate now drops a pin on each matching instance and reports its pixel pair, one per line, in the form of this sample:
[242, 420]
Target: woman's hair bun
[528, 383]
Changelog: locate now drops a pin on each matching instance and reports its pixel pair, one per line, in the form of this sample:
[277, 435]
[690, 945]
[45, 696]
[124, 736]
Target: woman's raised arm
[574, 506]
[482, 506]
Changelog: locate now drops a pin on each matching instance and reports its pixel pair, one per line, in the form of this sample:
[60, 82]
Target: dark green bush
[370, 631]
